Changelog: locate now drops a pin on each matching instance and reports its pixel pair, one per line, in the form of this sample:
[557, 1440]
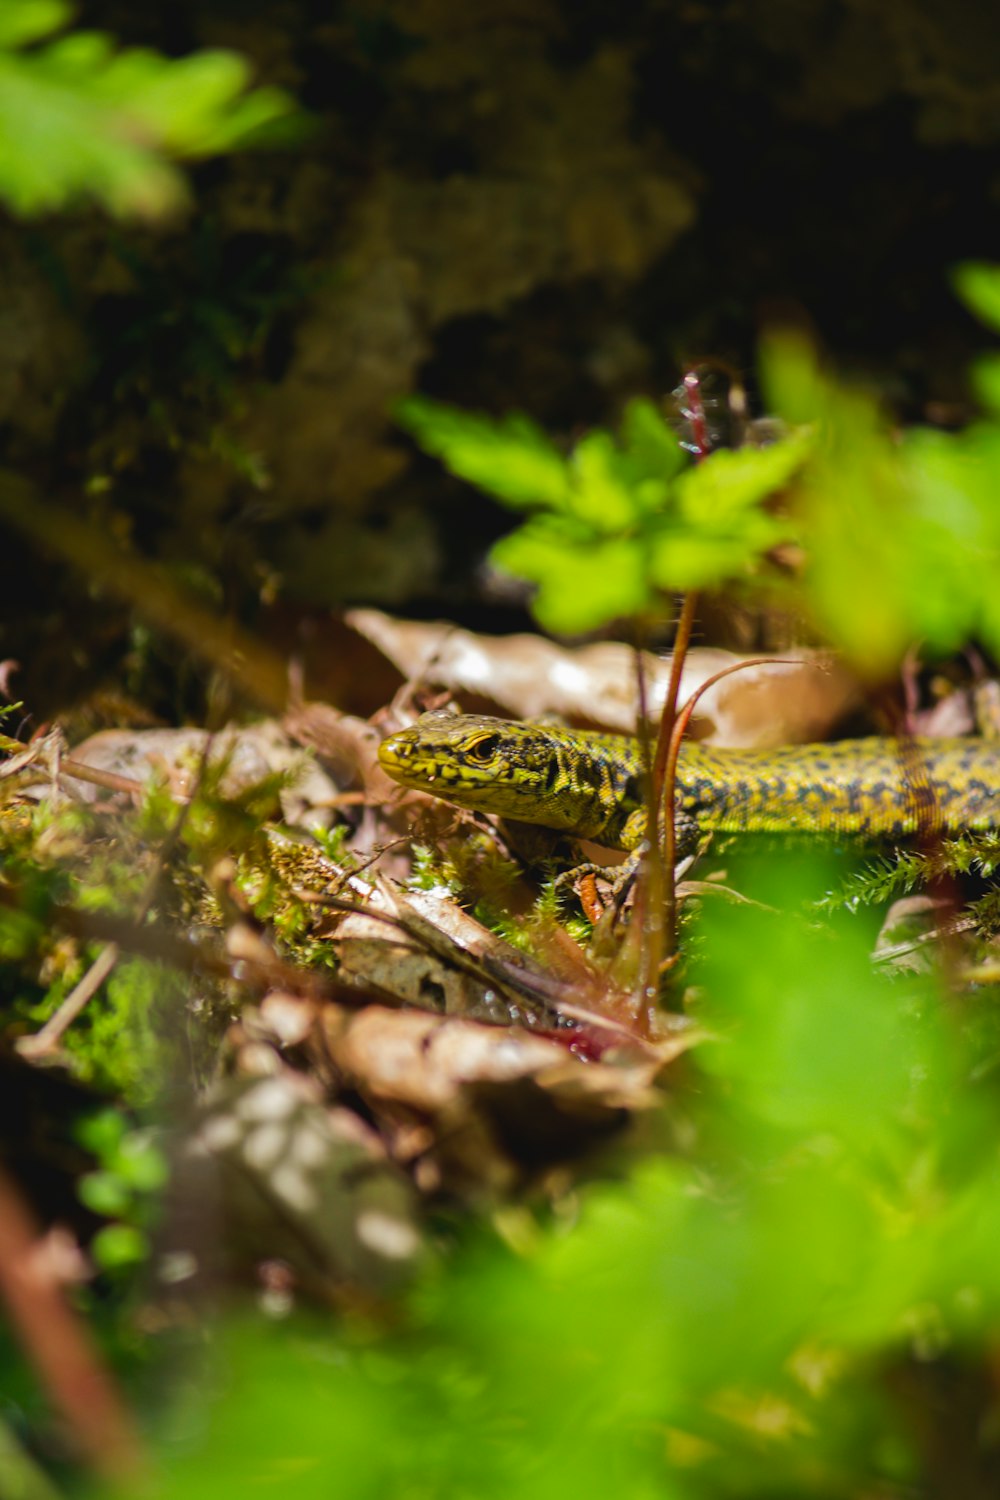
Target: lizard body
[591, 784]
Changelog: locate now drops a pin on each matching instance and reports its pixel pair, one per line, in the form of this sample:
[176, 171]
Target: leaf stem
[665, 771]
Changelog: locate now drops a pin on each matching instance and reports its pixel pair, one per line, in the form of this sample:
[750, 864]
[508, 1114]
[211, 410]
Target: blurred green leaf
[986, 382]
[902, 532]
[118, 1246]
[650, 441]
[140, 1163]
[694, 558]
[602, 494]
[511, 458]
[79, 119]
[978, 285]
[732, 480]
[736, 1319]
[102, 1132]
[25, 21]
[104, 1193]
[582, 582]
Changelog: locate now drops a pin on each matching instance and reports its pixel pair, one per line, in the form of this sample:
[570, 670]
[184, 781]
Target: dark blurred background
[530, 204]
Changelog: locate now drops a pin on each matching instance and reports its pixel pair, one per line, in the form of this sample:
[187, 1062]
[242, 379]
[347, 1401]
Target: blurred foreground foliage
[80, 119]
[803, 1302]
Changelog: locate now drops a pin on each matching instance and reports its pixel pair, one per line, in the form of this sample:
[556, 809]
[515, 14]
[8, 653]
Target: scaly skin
[591, 784]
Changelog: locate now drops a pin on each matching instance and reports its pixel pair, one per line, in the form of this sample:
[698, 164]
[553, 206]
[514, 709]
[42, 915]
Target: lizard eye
[482, 751]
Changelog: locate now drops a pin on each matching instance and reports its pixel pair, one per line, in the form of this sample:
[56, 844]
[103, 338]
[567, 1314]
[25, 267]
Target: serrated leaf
[601, 494]
[582, 584]
[687, 559]
[650, 442]
[734, 479]
[509, 457]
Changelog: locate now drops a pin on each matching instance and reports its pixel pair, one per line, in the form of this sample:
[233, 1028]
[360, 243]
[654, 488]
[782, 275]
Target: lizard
[590, 784]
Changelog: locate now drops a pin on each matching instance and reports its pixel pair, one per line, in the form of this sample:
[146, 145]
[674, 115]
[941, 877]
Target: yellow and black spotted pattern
[591, 784]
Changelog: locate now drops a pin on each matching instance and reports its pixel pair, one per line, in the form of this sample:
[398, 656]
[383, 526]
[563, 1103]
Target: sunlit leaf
[581, 584]
[689, 559]
[733, 479]
[601, 494]
[509, 457]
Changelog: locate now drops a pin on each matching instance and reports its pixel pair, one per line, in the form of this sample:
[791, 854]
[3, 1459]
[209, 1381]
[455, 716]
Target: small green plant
[123, 1188]
[618, 524]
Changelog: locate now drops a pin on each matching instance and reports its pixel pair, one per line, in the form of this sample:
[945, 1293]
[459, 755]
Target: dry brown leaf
[480, 1103]
[425, 1061]
[795, 700]
[421, 948]
[252, 753]
[401, 968]
[347, 744]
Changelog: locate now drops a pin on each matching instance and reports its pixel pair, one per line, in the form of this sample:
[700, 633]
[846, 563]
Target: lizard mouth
[401, 759]
[395, 756]
[412, 766]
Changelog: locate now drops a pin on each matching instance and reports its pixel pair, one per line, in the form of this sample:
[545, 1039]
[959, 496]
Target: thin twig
[643, 948]
[24, 755]
[110, 780]
[46, 1041]
[59, 1345]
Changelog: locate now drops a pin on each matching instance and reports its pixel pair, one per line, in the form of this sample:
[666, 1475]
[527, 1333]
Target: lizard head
[494, 765]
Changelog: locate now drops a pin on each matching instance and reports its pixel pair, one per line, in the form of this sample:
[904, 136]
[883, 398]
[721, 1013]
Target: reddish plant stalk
[664, 778]
[665, 771]
[60, 1347]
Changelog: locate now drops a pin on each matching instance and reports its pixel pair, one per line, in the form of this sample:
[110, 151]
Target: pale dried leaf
[348, 744]
[251, 753]
[15, 763]
[431, 1063]
[401, 968]
[800, 698]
